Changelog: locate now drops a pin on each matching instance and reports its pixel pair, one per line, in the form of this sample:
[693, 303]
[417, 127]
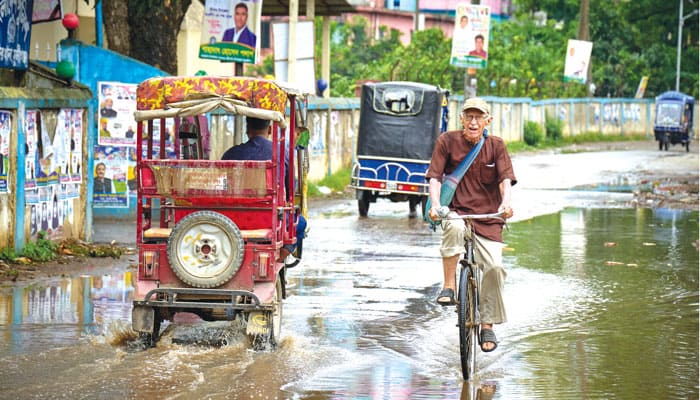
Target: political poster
[578, 55]
[470, 38]
[230, 30]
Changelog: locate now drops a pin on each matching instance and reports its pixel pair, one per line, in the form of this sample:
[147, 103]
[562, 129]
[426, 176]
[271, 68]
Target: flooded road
[602, 303]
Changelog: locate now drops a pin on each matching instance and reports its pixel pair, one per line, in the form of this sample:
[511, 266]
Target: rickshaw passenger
[259, 148]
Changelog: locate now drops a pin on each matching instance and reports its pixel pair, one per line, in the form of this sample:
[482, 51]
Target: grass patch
[337, 182]
[43, 250]
[590, 137]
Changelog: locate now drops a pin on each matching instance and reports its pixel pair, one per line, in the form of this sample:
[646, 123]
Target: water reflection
[637, 318]
[59, 312]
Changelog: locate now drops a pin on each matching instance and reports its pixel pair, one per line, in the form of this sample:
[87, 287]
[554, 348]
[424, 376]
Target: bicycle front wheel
[468, 327]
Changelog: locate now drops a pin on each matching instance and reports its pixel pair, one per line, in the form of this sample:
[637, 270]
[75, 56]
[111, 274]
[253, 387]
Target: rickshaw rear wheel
[151, 339]
[271, 338]
[363, 203]
[205, 249]
[413, 202]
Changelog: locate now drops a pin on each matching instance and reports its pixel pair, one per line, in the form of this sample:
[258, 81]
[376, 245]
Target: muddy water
[602, 303]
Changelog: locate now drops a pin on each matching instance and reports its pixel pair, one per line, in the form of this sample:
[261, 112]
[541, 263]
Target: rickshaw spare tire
[205, 249]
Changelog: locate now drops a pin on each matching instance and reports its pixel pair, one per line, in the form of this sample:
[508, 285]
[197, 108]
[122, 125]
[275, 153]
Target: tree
[145, 29]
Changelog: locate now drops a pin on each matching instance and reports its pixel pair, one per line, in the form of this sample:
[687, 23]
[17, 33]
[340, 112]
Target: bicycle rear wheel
[468, 328]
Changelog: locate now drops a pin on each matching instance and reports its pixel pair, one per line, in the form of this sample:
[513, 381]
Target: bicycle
[468, 288]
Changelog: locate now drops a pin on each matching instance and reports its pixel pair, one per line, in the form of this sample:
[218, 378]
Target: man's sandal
[446, 297]
[487, 336]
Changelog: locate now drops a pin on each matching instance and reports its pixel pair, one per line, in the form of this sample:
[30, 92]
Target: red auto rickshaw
[209, 232]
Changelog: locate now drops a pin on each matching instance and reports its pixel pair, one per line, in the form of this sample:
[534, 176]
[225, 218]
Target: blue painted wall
[93, 65]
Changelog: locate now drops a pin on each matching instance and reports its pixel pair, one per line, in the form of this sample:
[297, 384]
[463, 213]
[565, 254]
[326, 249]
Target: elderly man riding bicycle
[478, 169]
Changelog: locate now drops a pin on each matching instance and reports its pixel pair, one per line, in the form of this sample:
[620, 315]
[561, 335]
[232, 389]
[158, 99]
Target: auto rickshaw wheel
[205, 249]
[151, 339]
[363, 200]
[273, 319]
[413, 202]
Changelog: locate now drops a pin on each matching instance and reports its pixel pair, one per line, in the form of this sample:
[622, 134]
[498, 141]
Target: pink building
[400, 14]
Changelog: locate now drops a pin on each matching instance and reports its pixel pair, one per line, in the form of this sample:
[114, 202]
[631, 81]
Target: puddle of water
[630, 314]
[599, 300]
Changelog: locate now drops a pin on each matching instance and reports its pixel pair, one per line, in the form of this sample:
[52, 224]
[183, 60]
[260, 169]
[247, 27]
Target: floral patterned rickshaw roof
[157, 93]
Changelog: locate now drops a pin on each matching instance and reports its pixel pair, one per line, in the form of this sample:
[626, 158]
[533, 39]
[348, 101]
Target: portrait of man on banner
[470, 36]
[239, 32]
[230, 30]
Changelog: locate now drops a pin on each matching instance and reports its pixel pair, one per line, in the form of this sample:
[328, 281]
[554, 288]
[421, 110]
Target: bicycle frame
[468, 290]
[469, 319]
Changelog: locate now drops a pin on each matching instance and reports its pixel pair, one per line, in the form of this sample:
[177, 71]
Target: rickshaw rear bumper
[174, 300]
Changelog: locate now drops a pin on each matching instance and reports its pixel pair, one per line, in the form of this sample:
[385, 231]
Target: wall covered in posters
[115, 152]
[53, 176]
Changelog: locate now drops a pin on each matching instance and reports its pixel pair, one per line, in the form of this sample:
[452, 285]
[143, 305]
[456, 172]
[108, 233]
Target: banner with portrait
[230, 30]
[110, 187]
[470, 38]
[116, 123]
[578, 55]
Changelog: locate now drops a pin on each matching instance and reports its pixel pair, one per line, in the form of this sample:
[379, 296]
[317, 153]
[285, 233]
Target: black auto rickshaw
[674, 119]
[399, 124]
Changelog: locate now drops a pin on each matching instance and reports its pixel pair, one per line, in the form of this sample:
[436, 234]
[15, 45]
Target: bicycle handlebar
[444, 211]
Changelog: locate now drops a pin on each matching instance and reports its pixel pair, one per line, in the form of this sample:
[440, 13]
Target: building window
[265, 35]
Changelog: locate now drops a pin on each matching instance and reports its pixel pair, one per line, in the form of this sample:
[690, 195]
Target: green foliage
[533, 133]
[553, 127]
[7, 254]
[266, 68]
[631, 39]
[599, 137]
[357, 58]
[514, 147]
[41, 250]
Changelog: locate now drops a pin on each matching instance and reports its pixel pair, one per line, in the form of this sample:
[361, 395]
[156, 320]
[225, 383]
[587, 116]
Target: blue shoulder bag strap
[450, 181]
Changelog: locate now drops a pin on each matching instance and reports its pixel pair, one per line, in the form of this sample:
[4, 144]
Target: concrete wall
[334, 123]
[45, 93]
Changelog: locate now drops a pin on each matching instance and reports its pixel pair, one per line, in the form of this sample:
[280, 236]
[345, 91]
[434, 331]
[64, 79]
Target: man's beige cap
[477, 103]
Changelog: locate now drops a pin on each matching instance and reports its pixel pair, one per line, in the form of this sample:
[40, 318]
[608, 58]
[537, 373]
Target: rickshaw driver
[259, 148]
[484, 189]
